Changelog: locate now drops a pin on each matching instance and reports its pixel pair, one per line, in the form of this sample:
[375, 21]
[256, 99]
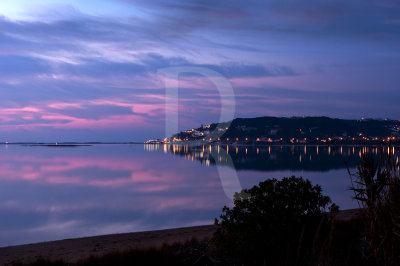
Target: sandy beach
[72, 250]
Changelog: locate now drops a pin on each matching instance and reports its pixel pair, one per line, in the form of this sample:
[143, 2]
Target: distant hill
[294, 129]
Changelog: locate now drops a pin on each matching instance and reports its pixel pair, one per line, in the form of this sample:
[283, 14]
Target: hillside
[294, 129]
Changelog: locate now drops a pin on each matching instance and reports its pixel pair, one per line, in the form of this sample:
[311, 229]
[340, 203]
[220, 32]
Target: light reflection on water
[49, 193]
[275, 157]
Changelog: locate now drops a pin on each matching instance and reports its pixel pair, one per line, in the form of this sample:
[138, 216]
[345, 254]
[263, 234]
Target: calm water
[49, 193]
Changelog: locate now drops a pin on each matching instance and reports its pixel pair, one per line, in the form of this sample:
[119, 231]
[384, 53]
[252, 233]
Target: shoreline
[75, 249]
[197, 144]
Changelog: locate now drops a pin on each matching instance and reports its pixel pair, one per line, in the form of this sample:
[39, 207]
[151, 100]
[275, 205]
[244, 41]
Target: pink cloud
[22, 113]
[64, 105]
[19, 110]
[46, 116]
[148, 110]
[140, 108]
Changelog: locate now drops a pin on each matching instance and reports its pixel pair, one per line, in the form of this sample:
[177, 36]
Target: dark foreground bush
[275, 223]
[376, 186]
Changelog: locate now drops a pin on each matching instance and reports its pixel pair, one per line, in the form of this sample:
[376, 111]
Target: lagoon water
[51, 193]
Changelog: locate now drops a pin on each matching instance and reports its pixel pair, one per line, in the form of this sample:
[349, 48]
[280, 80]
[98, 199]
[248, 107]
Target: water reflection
[272, 158]
[49, 193]
[55, 193]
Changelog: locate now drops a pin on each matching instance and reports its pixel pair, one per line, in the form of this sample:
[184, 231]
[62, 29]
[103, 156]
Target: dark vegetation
[291, 222]
[376, 186]
[285, 223]
[253, 230]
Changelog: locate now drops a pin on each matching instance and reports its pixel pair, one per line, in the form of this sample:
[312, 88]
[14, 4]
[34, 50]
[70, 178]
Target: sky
[89, 70]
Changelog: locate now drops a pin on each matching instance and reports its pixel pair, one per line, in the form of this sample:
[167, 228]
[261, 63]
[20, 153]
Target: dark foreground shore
[73, 250]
